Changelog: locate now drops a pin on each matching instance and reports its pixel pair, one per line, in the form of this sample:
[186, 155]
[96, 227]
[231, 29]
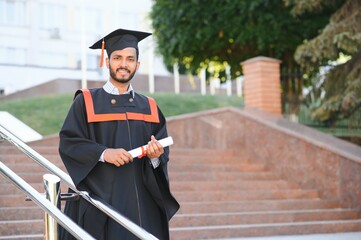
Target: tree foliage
[196, 33]
[341, 36]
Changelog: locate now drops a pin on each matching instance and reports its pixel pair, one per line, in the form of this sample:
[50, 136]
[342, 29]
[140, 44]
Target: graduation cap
[118, 40]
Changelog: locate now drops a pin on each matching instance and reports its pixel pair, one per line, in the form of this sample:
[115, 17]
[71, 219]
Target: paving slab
[330, 236]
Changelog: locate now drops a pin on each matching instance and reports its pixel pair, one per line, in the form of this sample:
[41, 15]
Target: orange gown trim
[98, 117]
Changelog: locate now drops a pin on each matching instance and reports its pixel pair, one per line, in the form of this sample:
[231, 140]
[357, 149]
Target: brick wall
[262, 84]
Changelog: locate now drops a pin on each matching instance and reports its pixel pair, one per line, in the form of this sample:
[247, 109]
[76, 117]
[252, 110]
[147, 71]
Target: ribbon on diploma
[142, 151]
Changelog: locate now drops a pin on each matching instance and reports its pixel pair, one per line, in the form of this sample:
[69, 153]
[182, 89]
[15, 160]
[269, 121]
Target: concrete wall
[297, 153]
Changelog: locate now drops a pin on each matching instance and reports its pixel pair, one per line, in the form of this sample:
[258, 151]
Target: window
[52, 17]
[13, 55]
[92, 62]
[12, 12]
[51, 59]
[93, 20]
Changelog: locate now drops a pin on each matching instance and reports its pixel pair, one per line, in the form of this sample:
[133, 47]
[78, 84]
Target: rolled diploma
[165, 142]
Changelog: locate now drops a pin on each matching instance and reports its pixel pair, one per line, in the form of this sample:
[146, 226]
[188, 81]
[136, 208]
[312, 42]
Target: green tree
[341, 36]
[202, 33]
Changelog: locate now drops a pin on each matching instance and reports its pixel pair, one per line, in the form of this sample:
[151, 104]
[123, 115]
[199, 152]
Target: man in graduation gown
[102, 125]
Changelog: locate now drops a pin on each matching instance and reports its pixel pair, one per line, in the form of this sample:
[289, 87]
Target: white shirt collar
[111, 89]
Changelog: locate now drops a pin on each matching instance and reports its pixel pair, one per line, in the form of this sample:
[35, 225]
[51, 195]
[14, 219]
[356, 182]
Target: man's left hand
[154, 149]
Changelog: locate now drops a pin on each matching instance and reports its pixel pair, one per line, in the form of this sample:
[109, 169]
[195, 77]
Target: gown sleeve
[157, 180]
[78, 151]
[160, 131]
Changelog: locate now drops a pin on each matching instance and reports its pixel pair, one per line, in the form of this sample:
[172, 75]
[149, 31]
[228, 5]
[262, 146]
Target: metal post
[212, 86]
[176, 78]
[151, 68]
[84, 83]
[240, 86]
[203, 77]
[228, 82]
[52, 191]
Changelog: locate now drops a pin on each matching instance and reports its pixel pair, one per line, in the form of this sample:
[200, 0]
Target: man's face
[123, 64]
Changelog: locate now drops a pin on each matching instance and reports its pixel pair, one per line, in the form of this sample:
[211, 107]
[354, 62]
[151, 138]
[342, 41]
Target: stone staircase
[221, 196]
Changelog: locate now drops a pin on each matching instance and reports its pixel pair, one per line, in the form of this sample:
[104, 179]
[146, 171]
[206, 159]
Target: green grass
[45, 114]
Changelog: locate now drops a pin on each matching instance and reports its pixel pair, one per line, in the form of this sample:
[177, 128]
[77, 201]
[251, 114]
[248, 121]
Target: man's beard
[113, 74]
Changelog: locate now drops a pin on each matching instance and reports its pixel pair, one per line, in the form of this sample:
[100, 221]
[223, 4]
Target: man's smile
[123, 71]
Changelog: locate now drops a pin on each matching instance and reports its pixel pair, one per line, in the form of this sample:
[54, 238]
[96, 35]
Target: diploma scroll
[165, 142]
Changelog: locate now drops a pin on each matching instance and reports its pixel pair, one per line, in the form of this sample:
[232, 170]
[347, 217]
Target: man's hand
[118, 156]
[154, 149]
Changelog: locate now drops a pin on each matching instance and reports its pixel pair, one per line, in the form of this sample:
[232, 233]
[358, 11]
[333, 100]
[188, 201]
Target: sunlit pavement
[331, 236]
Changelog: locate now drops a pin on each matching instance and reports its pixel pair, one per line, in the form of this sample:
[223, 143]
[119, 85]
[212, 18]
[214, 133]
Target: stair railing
[95, 201]
[45, 204]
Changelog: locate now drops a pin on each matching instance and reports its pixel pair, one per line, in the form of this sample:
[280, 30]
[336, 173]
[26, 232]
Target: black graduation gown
[137, 190]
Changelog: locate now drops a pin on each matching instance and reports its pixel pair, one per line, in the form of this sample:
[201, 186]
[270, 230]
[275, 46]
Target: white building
[42, 40]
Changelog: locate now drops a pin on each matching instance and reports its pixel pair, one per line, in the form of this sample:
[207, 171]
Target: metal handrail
[97, 202]
[36, 197]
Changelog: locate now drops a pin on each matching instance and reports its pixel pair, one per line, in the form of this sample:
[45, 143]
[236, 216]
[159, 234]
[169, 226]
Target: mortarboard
[117, 40]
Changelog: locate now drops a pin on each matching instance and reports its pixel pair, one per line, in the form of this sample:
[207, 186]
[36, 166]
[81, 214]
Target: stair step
[12, 200]
[245, 195]
[30, 167]
[46, 141]
[256, 205]
[21, 158]
[43, 150]
[24, 237]
[206, 159]
[234, 185]
[238, 218]
[16, 227]
[274, 229]
[200, 152]
[21, 213]
[220, 176]
[199, 167]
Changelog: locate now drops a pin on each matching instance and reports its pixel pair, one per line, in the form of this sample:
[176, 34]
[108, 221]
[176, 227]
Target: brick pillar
[262, 84]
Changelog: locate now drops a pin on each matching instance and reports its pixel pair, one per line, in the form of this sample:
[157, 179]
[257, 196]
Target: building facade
[42, 40]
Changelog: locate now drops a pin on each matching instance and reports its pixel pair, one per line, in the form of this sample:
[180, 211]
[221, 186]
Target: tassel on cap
[102, 54]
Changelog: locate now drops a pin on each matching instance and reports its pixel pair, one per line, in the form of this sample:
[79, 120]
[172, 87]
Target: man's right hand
[118, 156]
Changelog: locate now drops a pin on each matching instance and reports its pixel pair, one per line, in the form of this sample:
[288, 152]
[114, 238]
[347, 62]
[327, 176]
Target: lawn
[45, 114]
